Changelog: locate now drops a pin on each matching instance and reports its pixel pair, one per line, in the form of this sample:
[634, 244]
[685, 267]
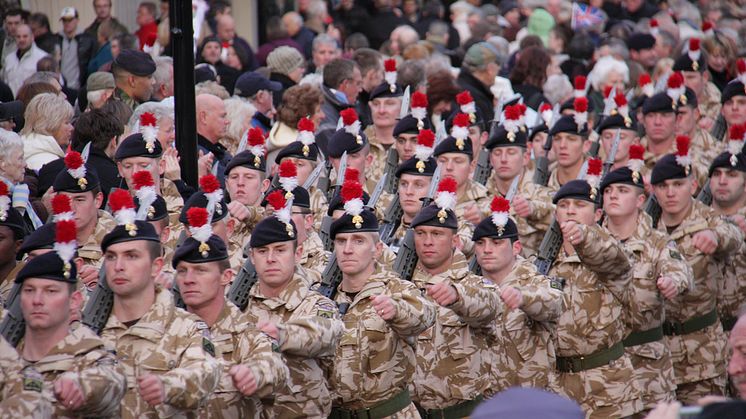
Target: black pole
[182, 41]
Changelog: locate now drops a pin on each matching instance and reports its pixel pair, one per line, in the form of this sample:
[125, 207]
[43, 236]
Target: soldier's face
[495, 255]
[695, 81]
[354, 251]
[358, 160]
[129, 268]
[305, 167]
[675, 195]
[686, 120]
[412, 188]
[385, 110]
[85, 205]
[537, 144]
[46, 303]
[405, 145]
[8, 245]
[129, 166]
[737, 364]
[622, 200]
[302, 217]
[578, 210]
[456, 165]
[734, 110]
[727, 186]
[143, 87]
[568, 148]
[201, 284]
[275, 263]
[434, 246]
[659, 126]
[626, 138]
[245, 185]
[508, 161]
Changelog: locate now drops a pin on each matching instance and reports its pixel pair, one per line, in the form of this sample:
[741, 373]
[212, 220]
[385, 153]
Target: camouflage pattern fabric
[20, 388]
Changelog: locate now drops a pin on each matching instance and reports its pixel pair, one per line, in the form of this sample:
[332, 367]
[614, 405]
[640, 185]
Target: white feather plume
[446, 200]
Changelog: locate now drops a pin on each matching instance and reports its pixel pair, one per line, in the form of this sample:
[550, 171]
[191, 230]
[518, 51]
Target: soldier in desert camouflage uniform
[727, 183]
[78, 372]
[165, 351]
[250, 369]
[532, 303]
[376, 359]
[246, 182]
[658, 272]
[703, 144]
[593, 368]
[737, 364]
[570, 143]
[385, 103]
[464, 326]
[18, 397]
[693, 332]
[281, 303]
[693, 65]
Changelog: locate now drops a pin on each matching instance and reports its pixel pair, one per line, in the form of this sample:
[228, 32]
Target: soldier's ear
[99, 199]
[78, 261]
[265, 185]
[517, 248]
[298, 252]
[156, 267]
[597, 214]
[76, 301]
[230, 226]
[227, 277]
[165, 233]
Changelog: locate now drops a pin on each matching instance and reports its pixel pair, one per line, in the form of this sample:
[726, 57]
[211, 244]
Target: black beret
[385, 90]
[452, 145]
[337, 204]
[617, 121]
[691, 99]
[41, 238]
[198, 199]
[295, 149]
[49, 266]
[685, 63]
[272, 230]
[13, 220]
[345, 224]
[120, 234]
[639, 41]
[65, 182]
[157, 210]
[248, 160]
[537, 129]
[569, 105]
[659, 102]
[411, 125]
[733, 88]
[729, 161]
[413, 167]
[342, 141]
[504, 138]
[190, 251]
[301, 197]
[567, 123]
[136, 62]
[479, 121]
[667, 168]
[433, 215]
[487, 228]
[621, 175]
[135, 146]
[575, 189]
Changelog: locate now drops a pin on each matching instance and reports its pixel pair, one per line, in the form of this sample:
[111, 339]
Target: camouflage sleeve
[542, 301]
[669, 262]
[197, 374]
[466, 232]
[478, 301]
[26, 404]
[541, 205]
[260, 355]
[414, 313]
[728, 234]
[602, 254]
[103, 383]
[312, 336]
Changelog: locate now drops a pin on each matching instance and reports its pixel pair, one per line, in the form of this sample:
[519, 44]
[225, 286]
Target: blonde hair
[45, 113]
[238, 111]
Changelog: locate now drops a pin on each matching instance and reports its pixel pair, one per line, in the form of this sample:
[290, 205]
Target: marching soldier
[250, 369]
[687, 123]
[408, 128]
[165, 351]
[728, 186]
[19, 397]
[692, 66]
[532, 303]
[459, 340]
[734, 97]
[658, 272]
[385, 105]
[592, 366]
[509, 159]
[375, 360]
[622, 122]
[570, 144]
[304, 323]
[693, 333]
[75, 368]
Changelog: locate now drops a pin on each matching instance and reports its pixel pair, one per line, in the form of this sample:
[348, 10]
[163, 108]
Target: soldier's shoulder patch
[208, 346]
[673, 251]
[325, 309]
[557, 283]
[488, 283]
[201, 325]
[32, 380]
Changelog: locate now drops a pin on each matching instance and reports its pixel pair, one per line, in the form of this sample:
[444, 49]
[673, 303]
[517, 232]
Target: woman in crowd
[47, 130]
[298, 101]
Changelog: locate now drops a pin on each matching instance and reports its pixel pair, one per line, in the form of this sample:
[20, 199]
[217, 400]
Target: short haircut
[356, 41]
[368, 59]
[162, 74]
[97, 127]
[14, 12]
[119, 109]
[47, 63]
[150, 7]
[337, 71]
[323, 39]
[42, 77]
[126, 41]
[412, 74]
[40, 19]
[154, 249]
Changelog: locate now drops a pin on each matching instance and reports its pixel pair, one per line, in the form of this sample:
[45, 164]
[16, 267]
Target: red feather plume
[706, 26]
[464, 98]
[636, 152]
[147, 119]
[349, 116]
[277, 199]
[676, 80]
[693, 44]
[513, 113]
[580, 82]
[209, 183]
[142, 179]
[73, 160]
[225, 44]
[288, 169]
[197, 217]
[737, 132]
[60, 203]
[741, 66]
[65, 231]
[500, 204]
[255, 137]
[682, 145]
[419, 100]
[607, 91]
[580, 104]
[306, 124]
[644, 79]
[426, 138]
[620, 99]
[5, 192]
[461, 120]
[352, 174]
[351, 189]
[594, 167]
[653, 23]
[448, 184]
[545, 107]
[390, 65]
[120, 199]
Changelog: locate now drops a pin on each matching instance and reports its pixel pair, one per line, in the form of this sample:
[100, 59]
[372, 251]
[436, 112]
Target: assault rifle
[653, 209]
[313, 177]
[97, 310]
[238, 293]
[325, 182]
[719, 128]
[406, 258]
[705, 194]
[392, 162]
[391, 220]
[484, 168]
[332, 275]
[541, 173]
[13, 326]
[326, 221]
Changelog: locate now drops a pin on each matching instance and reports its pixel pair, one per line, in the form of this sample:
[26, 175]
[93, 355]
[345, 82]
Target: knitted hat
[284, 60]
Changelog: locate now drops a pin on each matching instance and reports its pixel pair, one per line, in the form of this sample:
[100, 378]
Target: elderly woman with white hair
[164, 117]
[13, 173]
[239, 115]
[607, 73]
[47, 131]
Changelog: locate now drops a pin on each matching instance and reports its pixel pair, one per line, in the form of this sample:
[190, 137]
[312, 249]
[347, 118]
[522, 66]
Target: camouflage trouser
[689, 393]
[654, 372]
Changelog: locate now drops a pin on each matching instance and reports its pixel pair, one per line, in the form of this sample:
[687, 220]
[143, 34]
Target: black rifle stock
[406, 259]
[549, 248]
[238, 293]
[541, 173]
[484, 168]
[97, 310]
[13, 326]
[719, 128]
[392, 162]
[705, 194]
[653, 209]
[391, 220]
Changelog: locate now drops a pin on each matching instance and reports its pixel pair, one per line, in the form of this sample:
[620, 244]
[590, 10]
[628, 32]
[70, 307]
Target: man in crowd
[76, 50]
[133, 74]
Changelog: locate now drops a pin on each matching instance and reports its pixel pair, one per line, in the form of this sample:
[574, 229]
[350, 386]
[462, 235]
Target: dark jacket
[105, 167]
[304, 38]
[286, 84]
[87, 48]
[533, 97]
[379, 27]
[221, 154]
[47, 42]
[331, 107]
[482, 95]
